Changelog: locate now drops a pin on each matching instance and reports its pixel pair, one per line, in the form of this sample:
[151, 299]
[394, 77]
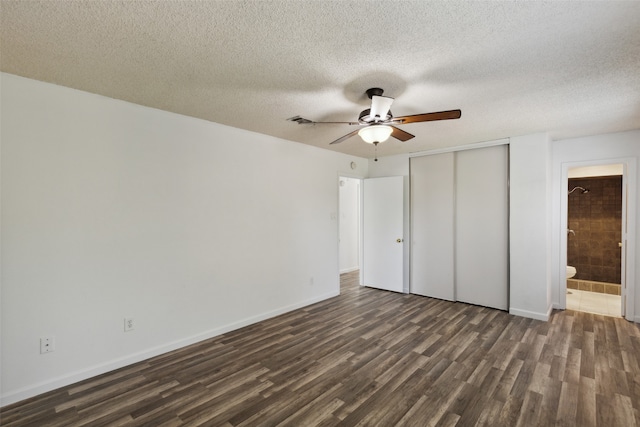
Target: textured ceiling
[513, 68]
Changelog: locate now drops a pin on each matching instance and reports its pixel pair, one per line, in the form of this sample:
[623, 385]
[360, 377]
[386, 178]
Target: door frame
[628, 230]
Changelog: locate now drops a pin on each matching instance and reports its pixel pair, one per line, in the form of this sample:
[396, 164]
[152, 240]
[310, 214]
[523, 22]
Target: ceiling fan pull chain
[375, 151]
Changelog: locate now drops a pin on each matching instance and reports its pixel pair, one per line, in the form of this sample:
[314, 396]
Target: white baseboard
[74, 377]
[531, 314]
[349, 270]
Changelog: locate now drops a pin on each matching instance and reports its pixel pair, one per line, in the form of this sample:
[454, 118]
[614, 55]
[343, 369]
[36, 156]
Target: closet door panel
[432, 226]
[481, 237]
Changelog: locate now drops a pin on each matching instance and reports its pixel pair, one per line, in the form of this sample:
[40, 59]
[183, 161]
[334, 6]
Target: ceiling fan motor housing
[365, 117]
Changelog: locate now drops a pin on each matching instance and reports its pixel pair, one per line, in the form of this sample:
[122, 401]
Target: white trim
[45, 386]
[531, 314]
[349, 270]
[630, 265]
[342, 174]
[504, 141]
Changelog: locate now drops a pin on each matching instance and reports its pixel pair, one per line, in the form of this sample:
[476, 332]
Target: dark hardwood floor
[370, 357]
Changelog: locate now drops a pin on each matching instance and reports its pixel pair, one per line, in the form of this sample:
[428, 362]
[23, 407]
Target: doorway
[596, 203]
[349, 225]
[594, 239]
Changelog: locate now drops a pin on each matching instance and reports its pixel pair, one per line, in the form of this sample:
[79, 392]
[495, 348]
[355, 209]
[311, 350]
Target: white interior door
[432, 226]
[383, 216]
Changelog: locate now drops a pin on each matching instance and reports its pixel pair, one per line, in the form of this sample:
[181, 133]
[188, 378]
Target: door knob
[399, 240]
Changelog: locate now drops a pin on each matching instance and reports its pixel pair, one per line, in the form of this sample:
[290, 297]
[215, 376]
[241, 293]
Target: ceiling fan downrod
[374, 91]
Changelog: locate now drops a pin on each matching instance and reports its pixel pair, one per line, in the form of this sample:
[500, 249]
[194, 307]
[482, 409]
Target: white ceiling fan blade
[380, 106]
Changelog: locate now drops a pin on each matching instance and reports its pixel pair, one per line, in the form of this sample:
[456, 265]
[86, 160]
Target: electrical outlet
[47, 344]
[128, 324]
[311, 281]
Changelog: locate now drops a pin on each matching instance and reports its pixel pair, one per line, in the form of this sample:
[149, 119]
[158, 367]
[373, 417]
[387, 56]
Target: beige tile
[594, 308]
[612, 289]
[584, 286]
[614, 309]
[573, 301]
[591, 298]
[592, 302]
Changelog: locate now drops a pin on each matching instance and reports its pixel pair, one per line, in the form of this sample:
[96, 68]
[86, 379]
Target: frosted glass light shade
[375, 133]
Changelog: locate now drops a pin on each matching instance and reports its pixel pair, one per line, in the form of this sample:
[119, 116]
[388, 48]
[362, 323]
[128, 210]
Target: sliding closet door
[432, 226]
[481, 237]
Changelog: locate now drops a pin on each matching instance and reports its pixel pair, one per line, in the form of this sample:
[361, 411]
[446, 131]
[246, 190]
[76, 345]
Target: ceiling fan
[379, 123]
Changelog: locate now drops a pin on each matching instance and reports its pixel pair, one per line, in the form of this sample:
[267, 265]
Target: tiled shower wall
[596, 219]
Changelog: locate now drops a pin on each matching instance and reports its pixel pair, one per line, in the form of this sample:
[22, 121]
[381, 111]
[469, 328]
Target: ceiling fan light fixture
[375, 133]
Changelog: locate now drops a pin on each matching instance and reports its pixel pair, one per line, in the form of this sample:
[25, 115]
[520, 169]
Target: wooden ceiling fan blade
[400, 134]
[347, 136]
[428, 117]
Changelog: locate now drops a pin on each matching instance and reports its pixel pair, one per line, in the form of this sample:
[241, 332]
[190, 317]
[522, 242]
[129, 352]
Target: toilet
[571, 271]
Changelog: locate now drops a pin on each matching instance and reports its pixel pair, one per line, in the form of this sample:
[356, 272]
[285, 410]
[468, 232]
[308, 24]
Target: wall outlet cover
[47, 344]
[128, 324]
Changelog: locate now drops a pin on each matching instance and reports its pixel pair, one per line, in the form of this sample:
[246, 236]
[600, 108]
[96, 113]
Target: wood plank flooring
[372, 358]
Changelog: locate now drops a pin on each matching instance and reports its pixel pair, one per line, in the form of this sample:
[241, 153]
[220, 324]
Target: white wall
[529, 226]
[349, 224]
[113, 210]
[623, 148]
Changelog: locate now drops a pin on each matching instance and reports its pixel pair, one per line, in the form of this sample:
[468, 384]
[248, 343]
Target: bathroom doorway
[595, 268]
